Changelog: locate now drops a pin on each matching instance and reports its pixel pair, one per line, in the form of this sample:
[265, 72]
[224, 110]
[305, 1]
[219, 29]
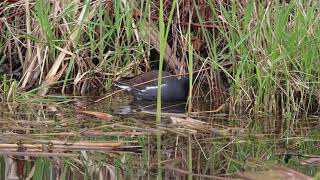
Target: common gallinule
[145, 86]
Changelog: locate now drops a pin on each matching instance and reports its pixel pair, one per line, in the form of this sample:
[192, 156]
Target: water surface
[80, 141]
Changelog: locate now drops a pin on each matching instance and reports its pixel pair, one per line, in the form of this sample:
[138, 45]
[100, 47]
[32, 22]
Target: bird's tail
[122, 85]
[132, 90]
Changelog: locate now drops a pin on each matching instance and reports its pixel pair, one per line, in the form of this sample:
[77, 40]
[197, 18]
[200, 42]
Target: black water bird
[145, 86]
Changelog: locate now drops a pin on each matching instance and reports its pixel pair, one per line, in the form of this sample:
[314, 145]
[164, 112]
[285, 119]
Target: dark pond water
[81, 141]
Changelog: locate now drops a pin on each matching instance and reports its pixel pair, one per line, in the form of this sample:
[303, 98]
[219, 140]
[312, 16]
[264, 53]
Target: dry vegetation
[262, 56]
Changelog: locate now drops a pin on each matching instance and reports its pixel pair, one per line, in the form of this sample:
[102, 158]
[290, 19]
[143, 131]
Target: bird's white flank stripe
[152, 87]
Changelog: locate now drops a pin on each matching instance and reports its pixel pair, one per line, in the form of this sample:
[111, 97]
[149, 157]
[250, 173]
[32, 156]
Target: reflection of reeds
[87, 145]
[64, 148]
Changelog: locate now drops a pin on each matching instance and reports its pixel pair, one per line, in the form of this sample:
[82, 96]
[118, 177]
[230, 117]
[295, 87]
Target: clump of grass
[268, 52]
[272, 47]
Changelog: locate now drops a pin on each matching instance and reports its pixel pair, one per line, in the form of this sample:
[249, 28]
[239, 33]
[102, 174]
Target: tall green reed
[273, 47]
[163, 41]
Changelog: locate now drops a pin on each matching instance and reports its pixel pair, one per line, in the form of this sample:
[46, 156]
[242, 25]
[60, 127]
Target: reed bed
[255, 56]
[248, 57]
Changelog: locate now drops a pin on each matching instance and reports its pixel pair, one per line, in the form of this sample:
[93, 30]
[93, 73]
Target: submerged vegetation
[255, 56]
[59, 142]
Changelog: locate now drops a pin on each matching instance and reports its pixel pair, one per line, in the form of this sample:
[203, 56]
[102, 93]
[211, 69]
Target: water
[52, 141]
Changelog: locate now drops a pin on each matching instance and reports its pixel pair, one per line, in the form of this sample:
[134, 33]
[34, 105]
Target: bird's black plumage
[145, 87]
